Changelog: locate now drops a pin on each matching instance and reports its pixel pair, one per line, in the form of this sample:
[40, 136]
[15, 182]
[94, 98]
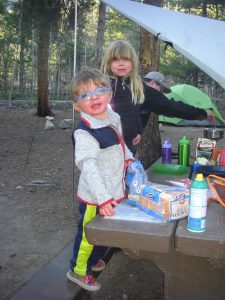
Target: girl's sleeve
[128, 153]
[86, 154]
[158, 103]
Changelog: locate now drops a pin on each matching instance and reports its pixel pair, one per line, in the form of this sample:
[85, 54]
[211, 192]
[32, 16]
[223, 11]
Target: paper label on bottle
[198, 212]
[199, 197]
[196, 224]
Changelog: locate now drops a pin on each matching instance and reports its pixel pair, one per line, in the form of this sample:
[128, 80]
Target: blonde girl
[122, 50]
[120, 63]
[134, 100]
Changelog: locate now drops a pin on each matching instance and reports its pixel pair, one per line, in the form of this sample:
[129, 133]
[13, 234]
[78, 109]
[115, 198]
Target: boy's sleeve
[128, 154]
[86, 153]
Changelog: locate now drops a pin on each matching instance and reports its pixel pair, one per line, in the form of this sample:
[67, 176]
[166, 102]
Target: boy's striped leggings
[85, 255]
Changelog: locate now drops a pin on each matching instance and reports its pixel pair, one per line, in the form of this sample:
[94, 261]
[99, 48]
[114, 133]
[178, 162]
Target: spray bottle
[198, 204]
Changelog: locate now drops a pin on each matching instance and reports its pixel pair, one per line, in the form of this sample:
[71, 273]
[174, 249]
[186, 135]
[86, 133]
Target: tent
[200, 39]
[193, 96]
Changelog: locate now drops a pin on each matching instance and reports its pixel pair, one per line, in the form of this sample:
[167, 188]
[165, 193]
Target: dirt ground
[38, 218]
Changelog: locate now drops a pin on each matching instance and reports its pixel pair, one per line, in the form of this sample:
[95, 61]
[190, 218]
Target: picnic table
[193, 263]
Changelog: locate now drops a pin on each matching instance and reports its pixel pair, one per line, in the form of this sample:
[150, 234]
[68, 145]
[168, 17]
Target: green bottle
[183, 151]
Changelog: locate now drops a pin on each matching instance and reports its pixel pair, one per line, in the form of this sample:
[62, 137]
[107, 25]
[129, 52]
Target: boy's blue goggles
[99, 91]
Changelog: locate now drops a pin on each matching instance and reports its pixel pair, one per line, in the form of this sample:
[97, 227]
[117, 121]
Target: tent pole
[74, 72]
[75, 39]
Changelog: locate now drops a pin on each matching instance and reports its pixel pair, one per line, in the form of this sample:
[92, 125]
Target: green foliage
[3, 4]
[119, 27]
[173, 63]
[20, 21]
[214, 9]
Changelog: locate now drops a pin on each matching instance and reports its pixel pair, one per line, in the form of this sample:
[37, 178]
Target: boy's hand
[107, 210]
[128, 164]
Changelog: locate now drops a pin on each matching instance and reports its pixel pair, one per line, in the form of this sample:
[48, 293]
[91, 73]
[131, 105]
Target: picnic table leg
[188, 277]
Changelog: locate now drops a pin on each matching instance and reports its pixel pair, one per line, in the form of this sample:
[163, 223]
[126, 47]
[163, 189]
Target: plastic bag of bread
[136, 176]
[163, 201]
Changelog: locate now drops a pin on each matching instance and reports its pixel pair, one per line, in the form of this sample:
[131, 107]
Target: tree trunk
[149, 52]
[43, 108]
[100, 34]
[47, 15]
[204, 8]
[21, 71]
[150, 148]
[194, 77]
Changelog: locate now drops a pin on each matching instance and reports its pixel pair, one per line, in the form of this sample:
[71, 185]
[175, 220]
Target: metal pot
[213, 133]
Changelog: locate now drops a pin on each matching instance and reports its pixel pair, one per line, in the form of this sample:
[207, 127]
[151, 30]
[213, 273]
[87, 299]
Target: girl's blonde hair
[85, 77]
[121, 49]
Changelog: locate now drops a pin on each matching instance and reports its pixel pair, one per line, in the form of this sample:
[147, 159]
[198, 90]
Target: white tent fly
[200, 39]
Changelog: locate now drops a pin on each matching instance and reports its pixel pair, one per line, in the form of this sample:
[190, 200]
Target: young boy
[102, 157]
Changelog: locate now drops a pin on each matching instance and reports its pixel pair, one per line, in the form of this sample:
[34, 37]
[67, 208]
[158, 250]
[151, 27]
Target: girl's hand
[137, 139]
[210, 115]
[107, 209]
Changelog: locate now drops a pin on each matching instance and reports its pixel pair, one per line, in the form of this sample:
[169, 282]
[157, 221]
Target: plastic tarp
[200, 39]
[193, 96]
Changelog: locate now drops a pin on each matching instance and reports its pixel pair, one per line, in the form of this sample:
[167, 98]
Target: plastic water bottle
[198, 204]
[183, 151]
[167, 152]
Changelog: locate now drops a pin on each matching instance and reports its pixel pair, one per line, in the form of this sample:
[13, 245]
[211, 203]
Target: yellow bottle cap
[199, 177]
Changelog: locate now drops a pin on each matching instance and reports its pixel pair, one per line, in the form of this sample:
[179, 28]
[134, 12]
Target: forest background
[26, 24]
[36, 67]
[41, 51]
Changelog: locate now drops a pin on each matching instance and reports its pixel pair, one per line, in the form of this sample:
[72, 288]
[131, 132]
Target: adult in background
[157, 81]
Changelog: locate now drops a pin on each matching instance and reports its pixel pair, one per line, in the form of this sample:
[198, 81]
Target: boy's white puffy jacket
[102, 156]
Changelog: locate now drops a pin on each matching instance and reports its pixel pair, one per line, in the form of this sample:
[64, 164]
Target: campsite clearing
[38, 221]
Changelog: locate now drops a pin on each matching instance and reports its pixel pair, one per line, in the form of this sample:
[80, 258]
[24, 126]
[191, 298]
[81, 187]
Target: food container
[217, 187]
[213, 133]
[222, 158]
[220, 189]
[211, 170]
[170, 169]
[204, 150]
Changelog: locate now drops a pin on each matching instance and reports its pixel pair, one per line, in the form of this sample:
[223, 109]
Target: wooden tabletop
[132, 235]
[161, 238]
[127, 234]
[211, 242]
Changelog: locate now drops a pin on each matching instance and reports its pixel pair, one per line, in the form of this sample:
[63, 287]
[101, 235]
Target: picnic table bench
[193, 263]
[50, 283]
